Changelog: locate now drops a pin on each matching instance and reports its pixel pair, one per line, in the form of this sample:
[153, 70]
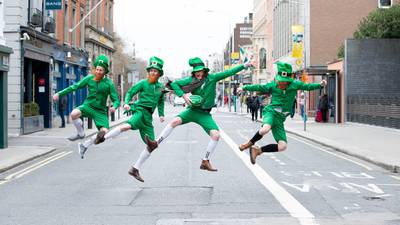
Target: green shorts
[100, 117]
[142, 120]
[275, 120]
[201, 117]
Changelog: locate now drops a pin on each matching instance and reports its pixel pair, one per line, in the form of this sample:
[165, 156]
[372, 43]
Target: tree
[381, 23]
[122, 64]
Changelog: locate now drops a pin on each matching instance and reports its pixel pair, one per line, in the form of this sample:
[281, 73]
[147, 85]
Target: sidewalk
[28, 147]
[378, 145]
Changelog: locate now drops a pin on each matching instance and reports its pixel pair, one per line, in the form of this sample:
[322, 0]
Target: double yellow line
[33, 167]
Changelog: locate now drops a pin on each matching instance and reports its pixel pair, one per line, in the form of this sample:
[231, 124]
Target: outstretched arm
[176, 85]
[227, 73]
[309, 87]
[264, 88]
[80, 84]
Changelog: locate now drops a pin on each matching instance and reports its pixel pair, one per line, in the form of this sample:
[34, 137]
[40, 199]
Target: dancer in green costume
[95, 104]
[199, 93]
[151, 96]
[283, 92]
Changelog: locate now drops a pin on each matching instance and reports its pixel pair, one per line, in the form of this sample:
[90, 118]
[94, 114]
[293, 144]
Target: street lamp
[304, 52]
[229, 56]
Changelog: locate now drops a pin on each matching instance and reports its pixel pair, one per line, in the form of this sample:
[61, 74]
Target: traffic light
[384, 4]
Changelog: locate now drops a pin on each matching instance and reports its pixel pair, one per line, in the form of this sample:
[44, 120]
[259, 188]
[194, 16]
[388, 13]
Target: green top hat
[156, 63]
[102, 61]
[284, 72]
[197, 65]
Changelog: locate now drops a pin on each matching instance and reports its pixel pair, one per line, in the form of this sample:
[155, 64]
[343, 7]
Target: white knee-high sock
[165, 133]
[112, 133]
[142, 158]
[89, 141]
[210, 149]
[78, 125]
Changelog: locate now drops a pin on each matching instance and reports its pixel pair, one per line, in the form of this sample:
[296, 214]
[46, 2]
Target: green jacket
[282, 99]
[150, 96]
[98, 92]
[207, 90]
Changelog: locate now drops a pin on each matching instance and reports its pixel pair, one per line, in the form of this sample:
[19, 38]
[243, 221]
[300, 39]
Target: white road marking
[395, 177]
[294, 207]
[33, 167]
[324, 150]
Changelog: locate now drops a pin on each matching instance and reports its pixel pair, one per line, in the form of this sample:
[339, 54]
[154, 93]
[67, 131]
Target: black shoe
[61, 126]
[135, 173]
[100, 137]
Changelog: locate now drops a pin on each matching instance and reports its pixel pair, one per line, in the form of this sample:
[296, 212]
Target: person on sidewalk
[254, 105]
[302, 102]
[199, 92]
[323, 106]
[151, 96]
[283, 92]
[61, 109]
[94, 106]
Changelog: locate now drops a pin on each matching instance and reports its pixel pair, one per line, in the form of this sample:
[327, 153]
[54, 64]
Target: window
[98, 12]
[73, 25]
[111, 19]
[66, 24]
[82, 33]
[263, 58]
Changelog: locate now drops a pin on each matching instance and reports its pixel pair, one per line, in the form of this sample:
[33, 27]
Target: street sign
[53, 4]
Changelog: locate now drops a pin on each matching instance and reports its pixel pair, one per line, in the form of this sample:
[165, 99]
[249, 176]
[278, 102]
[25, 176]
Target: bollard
[112, 116]
[89, 123]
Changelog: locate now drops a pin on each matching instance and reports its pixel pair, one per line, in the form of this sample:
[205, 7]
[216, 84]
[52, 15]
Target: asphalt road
[307, 184]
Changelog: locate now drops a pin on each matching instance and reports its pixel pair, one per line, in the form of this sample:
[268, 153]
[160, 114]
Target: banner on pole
[297, 38]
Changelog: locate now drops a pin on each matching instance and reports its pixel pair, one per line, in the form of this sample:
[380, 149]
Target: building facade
[5, 52]
[326, 25]
[29, 79]
[53, 48]
[99, 30]
[70, 58]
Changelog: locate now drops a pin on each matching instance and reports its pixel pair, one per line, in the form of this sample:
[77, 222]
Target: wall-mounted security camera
[25, 37]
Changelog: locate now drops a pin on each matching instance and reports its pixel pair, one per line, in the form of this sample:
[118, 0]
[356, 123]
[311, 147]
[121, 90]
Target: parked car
[179, 101]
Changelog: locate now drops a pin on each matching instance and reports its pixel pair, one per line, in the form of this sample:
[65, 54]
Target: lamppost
[304, 51]
[226, 14]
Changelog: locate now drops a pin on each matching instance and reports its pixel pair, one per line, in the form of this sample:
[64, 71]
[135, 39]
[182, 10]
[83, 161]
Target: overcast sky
[177, 30]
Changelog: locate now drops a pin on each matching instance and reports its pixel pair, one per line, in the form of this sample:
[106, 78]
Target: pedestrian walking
[62, 106]
[94, 106]
[302, 102]
[199, 92]
[283, 91]
[323, 106]
[254, 106]
[248, 100]
[151, 96]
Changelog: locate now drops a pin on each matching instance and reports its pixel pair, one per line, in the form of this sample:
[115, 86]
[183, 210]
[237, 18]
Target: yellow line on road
[34, 167]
